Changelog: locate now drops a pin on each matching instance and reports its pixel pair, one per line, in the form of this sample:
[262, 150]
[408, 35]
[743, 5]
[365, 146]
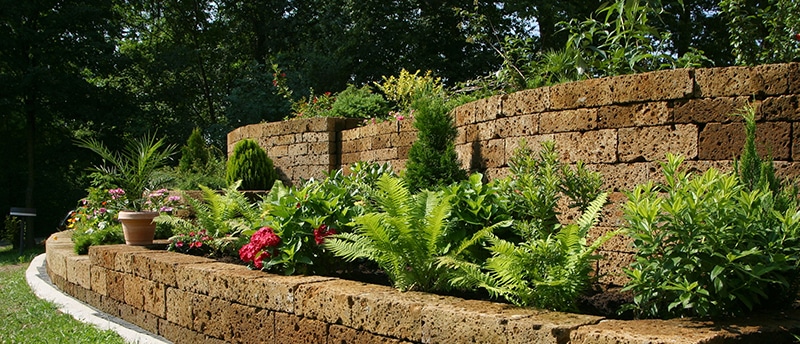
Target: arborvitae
[432, 159]
[250, 164]
[194, 155]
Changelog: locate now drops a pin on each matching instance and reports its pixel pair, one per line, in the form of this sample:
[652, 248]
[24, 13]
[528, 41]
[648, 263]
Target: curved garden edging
[190, 299]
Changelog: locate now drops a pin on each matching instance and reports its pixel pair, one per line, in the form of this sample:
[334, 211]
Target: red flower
[321, 232]
[259, 261]
[797, 36]
[265, 237]
[248, 252]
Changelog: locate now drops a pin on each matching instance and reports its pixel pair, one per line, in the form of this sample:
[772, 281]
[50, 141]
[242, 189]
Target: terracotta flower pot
[138, 227]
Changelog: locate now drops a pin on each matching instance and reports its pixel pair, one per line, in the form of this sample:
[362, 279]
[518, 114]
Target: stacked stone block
[384, 142]
[300, 149]
[189, 299]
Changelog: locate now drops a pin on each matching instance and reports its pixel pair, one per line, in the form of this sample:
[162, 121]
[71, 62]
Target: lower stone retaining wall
[189, 299]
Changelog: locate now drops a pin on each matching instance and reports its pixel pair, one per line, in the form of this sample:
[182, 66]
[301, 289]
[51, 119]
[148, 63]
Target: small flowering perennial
[190, 243]
[261, 246]
[321, 232]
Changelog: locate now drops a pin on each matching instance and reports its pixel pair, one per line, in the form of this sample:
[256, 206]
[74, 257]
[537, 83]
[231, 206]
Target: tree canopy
[116, 69]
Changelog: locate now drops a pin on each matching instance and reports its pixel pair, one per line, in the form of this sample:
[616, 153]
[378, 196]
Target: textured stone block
[780, 108]
[382, 141]
[405, 138]
[582, 94]
[322, 148]
[610, 268]
[291, 329]
[145, 294]
[179, 334]
[140, 318]
[298, 149]
[330, 301]
[464, 114]
[725, 141]
[208, 316]
[526, 102]
[391, 313]
[599, 146]
[99, 282]
[488, 109]
[488, 131]
[772, 79]
[653, 143]
[492, 154]
[567, 120]
[523, 125]
[794, 77]
[486, 322]
[625, 176]
[759, 328]
[106, 255]
[251, 325]
[57, 260]
[179, 307]
[161, 267]
[725, 82]
[115, 285]
[344, 335]
[623, 116]
[709, 110]
[653, 86]
[316, 137]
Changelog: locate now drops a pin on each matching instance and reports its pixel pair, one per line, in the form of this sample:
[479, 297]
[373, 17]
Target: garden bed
[191, 299]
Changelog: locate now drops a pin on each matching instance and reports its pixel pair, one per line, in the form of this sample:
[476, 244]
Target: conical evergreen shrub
[432, 159]
[250, 164]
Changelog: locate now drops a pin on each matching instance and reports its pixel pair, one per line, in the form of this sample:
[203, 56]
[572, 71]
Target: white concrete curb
[40, 283]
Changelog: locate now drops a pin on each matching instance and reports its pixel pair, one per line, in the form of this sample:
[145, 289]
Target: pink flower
[174, 198]
[179, 244]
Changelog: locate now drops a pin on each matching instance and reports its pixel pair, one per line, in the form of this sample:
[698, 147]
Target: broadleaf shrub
[250, 164]
[717, 244]
[361, 102]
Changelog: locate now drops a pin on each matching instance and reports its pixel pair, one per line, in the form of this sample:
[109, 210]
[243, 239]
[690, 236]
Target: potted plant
[131, 170]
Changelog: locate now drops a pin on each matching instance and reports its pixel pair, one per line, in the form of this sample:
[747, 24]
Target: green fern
[220, 214]
[405, 236]
[549, 272]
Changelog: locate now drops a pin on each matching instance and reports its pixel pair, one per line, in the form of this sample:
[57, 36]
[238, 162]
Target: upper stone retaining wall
[621, 126]
[189, 299]
[618, 123]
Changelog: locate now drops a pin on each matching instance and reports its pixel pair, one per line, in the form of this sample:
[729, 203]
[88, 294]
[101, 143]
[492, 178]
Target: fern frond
[350, 246]
[393, 196]
[592, 214]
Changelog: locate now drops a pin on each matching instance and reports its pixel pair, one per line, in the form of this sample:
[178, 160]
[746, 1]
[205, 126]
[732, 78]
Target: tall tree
[48, 51]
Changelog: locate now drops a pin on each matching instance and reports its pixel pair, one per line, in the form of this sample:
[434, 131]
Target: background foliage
[116, 69]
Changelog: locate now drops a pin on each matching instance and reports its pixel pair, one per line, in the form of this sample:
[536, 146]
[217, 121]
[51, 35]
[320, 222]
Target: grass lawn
[27, 319]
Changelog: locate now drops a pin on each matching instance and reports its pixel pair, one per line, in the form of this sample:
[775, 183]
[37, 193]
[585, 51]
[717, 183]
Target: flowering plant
[132, 168]
[196, 243]
[94, 220]
[158, 201]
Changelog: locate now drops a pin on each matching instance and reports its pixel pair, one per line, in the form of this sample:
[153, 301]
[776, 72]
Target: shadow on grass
[10, 256]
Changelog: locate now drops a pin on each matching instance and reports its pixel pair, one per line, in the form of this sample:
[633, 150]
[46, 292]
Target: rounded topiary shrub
[250, 164]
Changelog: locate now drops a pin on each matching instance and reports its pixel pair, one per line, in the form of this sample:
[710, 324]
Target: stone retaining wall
[189, 299]
[621, 126]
